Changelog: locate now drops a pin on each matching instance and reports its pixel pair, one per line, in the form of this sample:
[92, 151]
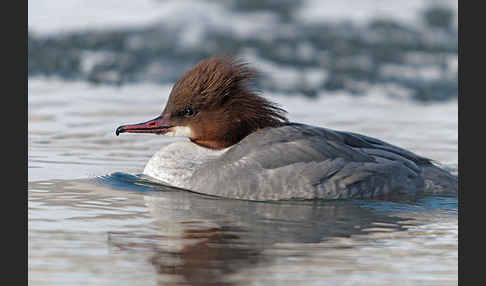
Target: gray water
[93, 220]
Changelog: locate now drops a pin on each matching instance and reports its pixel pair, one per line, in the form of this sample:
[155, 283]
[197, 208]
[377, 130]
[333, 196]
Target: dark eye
[189, 111]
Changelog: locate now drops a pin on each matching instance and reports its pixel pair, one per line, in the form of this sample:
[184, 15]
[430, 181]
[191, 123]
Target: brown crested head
[216, 105]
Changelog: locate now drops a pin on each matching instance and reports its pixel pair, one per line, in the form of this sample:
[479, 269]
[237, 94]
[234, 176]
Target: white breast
[175, 162]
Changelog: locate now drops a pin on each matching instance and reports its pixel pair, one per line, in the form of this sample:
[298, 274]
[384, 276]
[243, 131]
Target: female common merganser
[242, 146]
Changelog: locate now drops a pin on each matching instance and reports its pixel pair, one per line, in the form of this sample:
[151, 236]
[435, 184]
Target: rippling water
[94, 220]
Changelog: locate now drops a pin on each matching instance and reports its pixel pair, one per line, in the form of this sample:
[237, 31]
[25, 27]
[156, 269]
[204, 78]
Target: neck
[212, 144]
[231, 138]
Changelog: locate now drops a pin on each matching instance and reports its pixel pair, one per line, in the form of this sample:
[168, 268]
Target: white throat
[183, 131]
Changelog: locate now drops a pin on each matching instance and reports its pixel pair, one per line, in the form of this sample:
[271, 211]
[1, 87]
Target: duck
[242, 146]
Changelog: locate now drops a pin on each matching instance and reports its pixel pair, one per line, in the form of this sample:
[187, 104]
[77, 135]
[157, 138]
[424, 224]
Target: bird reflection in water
[207, 240]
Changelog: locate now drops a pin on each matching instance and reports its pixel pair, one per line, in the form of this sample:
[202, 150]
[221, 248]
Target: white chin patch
[183, 131]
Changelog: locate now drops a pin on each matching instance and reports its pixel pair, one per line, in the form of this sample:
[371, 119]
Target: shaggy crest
[224, 107]
[214, 105]
[223, 82]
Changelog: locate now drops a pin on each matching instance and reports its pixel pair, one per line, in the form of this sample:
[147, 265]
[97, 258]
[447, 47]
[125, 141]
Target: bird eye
[188, 111]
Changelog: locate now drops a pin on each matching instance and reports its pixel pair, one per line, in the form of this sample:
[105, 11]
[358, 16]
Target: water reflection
[154, 232]
[206, 240]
